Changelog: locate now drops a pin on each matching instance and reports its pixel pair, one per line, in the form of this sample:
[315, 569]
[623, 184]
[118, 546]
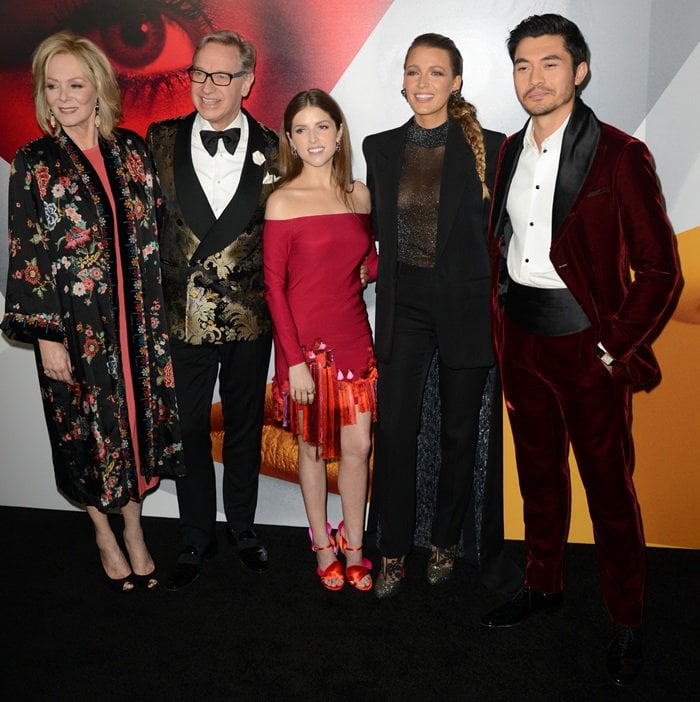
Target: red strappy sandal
[334, 570]
[354, 574]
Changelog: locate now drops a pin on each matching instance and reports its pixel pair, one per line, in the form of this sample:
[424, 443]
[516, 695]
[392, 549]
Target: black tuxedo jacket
[212, 268]
[462, 272]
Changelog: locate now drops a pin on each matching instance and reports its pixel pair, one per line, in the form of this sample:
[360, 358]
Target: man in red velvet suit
[576, 206]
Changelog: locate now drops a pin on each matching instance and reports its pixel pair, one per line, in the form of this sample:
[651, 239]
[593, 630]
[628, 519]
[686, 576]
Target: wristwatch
[604, 356]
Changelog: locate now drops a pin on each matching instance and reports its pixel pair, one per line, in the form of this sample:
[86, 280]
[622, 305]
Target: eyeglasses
[219, 78]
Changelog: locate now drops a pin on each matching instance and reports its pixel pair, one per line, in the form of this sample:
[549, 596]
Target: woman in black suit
[430, 181]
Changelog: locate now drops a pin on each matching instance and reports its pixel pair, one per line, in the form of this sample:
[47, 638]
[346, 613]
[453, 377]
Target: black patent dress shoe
[624, 659]
[525, 603]
[188, 567]
[251, 553]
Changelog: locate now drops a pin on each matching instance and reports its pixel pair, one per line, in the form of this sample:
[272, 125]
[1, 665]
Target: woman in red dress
[316, 239]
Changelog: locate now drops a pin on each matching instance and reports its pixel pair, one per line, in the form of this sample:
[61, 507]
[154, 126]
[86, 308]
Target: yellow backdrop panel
[666, 432]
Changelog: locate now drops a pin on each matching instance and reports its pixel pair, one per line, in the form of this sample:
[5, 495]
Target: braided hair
[460, 110]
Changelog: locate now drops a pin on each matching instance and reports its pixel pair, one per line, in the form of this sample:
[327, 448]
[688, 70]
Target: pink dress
[136, 491]
[312, 286]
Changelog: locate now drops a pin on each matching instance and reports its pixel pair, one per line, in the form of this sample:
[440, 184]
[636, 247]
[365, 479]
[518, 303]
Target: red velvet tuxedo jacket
[612, 243]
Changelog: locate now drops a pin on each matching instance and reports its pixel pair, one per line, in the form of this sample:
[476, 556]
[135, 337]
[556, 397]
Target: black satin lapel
[578, 150]
[458, 175]
[239, 211]
[509, 163]
[190, 195]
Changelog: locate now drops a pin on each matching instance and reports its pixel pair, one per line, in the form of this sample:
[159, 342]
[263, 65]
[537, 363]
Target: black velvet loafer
[188, 566]
[624, 659]
[251, 553]
[524, 604]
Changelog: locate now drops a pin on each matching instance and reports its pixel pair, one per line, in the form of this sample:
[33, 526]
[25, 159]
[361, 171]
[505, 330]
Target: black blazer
[461, 277]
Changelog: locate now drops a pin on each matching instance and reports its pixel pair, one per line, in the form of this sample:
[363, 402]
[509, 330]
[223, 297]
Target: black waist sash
[543, 311]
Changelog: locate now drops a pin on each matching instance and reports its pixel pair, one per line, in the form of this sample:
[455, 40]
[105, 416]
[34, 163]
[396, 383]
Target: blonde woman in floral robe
[84, 288]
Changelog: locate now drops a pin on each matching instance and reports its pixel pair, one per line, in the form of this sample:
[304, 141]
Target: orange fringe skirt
[337, 401]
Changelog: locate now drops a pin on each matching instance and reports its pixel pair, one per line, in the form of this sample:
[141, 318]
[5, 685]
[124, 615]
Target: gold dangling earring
[98, 121]
[52, 121]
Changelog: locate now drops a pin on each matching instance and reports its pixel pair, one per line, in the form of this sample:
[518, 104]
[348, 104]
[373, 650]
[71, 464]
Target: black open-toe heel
[150, 581]
[119, 584]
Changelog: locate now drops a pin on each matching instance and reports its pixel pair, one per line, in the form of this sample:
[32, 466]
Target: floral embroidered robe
[63, 286]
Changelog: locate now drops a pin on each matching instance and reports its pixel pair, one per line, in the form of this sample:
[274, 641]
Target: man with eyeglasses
[217, 166]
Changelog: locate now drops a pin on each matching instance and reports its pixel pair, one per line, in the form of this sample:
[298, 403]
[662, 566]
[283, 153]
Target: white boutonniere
[270, 178]
[258, 158]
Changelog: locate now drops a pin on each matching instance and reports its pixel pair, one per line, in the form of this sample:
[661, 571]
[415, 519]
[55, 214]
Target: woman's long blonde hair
[98, 71]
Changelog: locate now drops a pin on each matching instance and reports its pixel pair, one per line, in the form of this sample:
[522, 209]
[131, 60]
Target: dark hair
[460, 110]
[438, 41]
[539, 25]
[291, 165]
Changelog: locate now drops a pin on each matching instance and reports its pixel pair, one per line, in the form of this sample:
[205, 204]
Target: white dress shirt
[220, 174]
[529, 206]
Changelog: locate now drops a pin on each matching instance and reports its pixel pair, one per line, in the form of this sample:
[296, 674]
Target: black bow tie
[210, 139]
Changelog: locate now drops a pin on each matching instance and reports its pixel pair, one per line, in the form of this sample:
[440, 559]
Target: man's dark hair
[539, 25]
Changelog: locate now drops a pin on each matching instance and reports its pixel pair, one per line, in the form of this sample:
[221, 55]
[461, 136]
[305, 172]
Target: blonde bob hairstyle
[97, 68]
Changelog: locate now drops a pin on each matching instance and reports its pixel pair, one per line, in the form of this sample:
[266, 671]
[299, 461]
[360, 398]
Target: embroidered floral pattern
[42, 179]
[31, 274]
[62, 285]
[51, 211]
[134, 166]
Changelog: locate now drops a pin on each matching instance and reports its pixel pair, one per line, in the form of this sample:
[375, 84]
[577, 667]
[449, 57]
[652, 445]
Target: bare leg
[355, 444]
[312, 478]
[140, 557]
[113, 560]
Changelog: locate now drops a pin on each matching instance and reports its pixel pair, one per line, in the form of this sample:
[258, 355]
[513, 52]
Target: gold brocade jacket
[212, 268]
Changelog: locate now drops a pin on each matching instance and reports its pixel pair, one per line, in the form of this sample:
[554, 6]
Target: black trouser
[400, 393]
[242, 368]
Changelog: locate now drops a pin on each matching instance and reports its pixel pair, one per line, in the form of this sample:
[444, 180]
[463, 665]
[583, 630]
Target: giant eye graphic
[149, 43]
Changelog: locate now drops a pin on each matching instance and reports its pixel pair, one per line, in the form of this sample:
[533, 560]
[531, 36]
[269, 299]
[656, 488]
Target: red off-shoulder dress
[312, 286]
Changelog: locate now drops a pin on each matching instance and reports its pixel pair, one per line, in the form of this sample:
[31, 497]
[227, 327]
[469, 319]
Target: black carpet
[234, 635]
